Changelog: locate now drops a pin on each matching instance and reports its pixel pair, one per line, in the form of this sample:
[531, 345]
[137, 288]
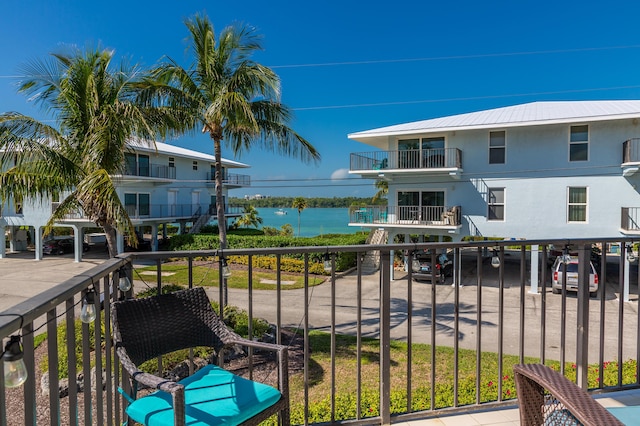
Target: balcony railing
[426, 159]
[492, 317]
[232, 179]
[152, 211]
[429, 216]
[159, 171]
[630, 220]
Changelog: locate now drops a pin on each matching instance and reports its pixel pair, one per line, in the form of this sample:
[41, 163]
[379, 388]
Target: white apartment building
[162, 184]
[538, 170]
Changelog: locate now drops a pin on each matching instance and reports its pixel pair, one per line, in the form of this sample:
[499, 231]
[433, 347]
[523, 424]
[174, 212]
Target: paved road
[22, 277]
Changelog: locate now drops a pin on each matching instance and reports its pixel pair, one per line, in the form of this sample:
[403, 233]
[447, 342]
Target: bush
[344, 261]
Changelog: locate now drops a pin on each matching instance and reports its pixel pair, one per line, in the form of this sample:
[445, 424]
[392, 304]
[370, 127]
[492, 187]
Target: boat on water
[280, 212]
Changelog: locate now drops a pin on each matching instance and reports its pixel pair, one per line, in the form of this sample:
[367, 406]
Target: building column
[3, 242]
[119, 242]
[77, 243]
[534, 269]
[38, 241]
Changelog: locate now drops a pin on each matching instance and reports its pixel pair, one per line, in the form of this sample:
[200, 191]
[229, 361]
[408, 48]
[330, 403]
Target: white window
[195, 165]
[495, 203]
[497, 147]
[579, 143]
[172, 162]
[577, 204]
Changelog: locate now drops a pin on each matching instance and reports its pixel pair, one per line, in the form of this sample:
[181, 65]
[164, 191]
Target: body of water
[313, 221]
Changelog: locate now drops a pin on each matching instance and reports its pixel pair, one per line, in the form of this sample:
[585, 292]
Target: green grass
[207, 275]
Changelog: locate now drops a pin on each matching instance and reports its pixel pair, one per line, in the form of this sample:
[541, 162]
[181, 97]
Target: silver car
[572, 277]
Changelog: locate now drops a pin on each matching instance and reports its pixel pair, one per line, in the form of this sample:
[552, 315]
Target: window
[195, 165]
[579, 143]
[497, 147]
[172, 162]
[143, 165]
[495, 202]
[577, 204]
[424, 153]
[130, 164]
[137, 204]
[423, 206]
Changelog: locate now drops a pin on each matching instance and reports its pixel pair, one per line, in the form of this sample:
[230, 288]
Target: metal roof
[164, 148]
[531, 114]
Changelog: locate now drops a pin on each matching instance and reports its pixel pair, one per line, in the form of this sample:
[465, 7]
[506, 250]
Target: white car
[572, 277]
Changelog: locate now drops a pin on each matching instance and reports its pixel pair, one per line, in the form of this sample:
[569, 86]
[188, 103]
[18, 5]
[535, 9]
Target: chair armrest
[282, 353]
[533, 381]
[147, 379]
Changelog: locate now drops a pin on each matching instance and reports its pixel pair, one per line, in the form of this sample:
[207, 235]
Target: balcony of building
[426, 217]
[630, 156]
[630, 221]
[231, 180]
[142, 171]
[439, 161]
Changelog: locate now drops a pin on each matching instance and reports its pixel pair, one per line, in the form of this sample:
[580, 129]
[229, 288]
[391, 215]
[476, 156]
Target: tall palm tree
[299, 203]
[250, 217]
[229, 96]
[95, 115]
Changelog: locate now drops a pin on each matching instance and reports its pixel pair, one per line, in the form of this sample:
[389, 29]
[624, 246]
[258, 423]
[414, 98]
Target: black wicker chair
[146, 328]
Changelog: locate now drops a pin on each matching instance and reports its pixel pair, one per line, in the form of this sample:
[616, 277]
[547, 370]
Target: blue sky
[348, 66]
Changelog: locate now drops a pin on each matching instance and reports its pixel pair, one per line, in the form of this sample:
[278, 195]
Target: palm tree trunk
[112, 243]
[222, 220]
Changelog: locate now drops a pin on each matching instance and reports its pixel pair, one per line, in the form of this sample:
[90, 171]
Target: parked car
[421, 267]
[555, 252]
[572, 277]
[61, 245]
[143, 245]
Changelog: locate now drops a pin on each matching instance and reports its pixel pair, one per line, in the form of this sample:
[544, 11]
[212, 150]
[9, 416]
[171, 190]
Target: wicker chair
[546, 397]
[144, 329]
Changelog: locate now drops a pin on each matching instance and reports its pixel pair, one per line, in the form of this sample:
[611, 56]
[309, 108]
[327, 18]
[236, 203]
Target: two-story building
[161, 184]
[537, 170]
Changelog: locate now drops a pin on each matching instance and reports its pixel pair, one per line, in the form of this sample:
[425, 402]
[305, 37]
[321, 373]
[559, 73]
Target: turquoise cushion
[213, 396]
[627, 415]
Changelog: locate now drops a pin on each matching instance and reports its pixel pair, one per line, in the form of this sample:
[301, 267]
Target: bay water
[313, 221]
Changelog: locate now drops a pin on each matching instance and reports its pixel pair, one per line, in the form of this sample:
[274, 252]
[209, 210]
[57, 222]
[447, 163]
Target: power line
[446, 58]
[468, 98]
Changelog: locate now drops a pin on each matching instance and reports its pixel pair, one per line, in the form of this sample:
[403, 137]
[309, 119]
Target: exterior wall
[536, 176]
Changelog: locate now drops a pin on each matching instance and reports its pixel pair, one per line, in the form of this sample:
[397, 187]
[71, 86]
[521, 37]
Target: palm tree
[229, 96]
[383, 189]
[300, 204]
[249, 217]
[95, 115]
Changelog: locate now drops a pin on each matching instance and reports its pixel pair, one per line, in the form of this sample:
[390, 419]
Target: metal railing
[441, 158]
[630, 220]
[232, 179]
[160, 171]
[481, 324]
[429, 216]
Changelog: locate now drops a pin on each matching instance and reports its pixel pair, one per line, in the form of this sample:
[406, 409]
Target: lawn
[205, 273]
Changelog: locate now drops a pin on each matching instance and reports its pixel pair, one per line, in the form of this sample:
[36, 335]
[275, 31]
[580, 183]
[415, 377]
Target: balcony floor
[509, 416]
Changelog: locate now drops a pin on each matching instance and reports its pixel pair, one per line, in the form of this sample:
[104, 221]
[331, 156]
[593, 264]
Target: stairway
[371, 262]
[202, 220]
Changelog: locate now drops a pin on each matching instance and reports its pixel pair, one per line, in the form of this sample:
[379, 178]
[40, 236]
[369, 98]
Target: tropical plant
[299, 203]
[96, 116]
[249, 217]
[229, 96]
[383, 189]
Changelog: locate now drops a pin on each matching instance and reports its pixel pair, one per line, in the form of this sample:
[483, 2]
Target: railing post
[582, 323]
[385, 337]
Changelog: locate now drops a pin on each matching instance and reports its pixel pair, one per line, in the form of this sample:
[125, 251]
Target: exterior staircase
[200, 220]
[371, 262]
